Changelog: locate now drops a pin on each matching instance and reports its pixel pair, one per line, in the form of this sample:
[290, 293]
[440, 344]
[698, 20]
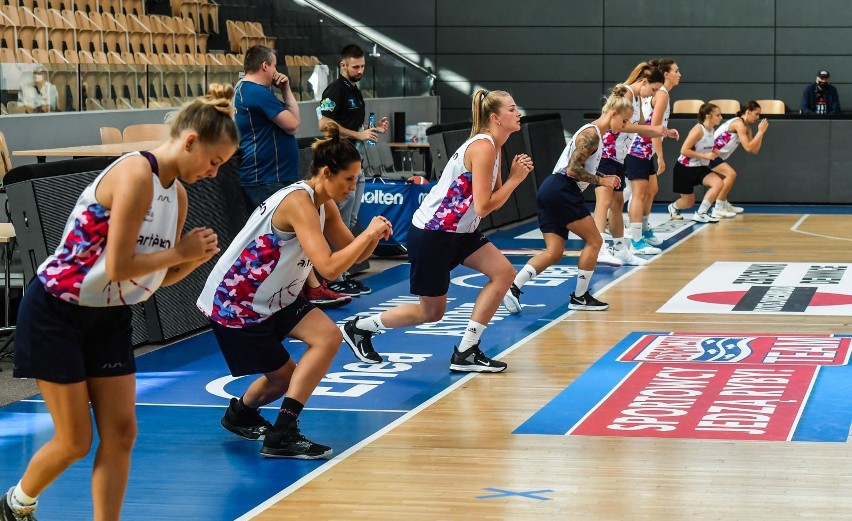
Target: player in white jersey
[640, 166]
[561, 207]
[73, 333]
[644, 81]
[252, 296]
[443, 235]
[728, 137]
[691, 168]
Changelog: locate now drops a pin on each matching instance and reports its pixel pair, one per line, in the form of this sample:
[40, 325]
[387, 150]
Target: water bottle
[371, 123]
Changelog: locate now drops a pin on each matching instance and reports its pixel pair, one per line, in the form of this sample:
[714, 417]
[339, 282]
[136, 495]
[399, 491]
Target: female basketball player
[121, 243]
[640, 166]
[691, 168]
[643, 82]
[252, 296]
[728, 137]
[561, 207]
[443, 235]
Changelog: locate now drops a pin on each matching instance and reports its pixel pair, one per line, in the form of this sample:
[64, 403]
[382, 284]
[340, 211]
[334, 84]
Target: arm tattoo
[587, 144]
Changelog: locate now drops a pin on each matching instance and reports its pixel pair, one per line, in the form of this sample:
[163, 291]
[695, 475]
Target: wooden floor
[436, 462]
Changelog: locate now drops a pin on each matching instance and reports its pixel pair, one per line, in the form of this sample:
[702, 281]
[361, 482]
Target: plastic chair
[687, 106]
[727, 106]
[146, 132]
[772, 106]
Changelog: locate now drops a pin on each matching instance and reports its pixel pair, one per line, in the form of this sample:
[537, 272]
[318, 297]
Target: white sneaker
[720, 212]
[651, 238]
[643, 248]
[732, 208]
[605, 256]
[704, 218]
[627, 258]
[674, 213]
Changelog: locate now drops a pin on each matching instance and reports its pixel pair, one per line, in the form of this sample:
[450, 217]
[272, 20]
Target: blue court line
[223, 477]
[531, 494]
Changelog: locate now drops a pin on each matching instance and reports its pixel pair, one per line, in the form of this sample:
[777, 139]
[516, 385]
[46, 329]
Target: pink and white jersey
[616, 145]
[261, 272]
[702, 146]
[76, 272]
[591, 164]
[726, 141]
[448, 207]
[643, 147]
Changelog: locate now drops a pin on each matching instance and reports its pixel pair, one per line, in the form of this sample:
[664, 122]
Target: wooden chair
[110, 135]
[687, 106]
[727, 106]
[772, 106]
[146, 132]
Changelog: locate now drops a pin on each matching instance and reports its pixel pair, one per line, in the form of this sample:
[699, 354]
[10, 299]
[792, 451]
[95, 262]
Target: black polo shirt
[342, 102]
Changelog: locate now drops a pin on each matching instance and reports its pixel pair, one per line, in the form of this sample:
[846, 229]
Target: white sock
[21, 498]
[373, 323]
[636, 231]
[645, 224]
[619, 243]
[583, 279]
[526, 274]
[721, 202]
[705, 205]
[675, 206]
[471, 335]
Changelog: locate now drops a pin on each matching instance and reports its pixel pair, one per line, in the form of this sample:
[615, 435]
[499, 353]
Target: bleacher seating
[127, 58]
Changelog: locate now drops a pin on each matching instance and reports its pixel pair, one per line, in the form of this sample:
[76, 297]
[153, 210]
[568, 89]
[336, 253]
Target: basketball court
[717, 386]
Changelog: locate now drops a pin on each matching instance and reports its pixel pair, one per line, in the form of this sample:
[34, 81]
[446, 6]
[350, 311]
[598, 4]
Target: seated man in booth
[821, 97]
[39, 95]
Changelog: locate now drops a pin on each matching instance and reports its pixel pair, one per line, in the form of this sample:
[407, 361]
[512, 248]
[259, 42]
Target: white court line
[209, 406]
[795, 228]
[399, 421]
[702, 322]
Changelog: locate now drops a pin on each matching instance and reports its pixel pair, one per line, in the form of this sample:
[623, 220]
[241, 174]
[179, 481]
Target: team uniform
[252, 294]
[689, 172]
[560, 197]
[443, 229]
[725, 141]
[639, 161]
[74, 322]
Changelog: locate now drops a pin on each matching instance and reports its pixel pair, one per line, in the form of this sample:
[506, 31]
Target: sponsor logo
[154, 241]
[165, 198]
[379, 196]
[740, 287]
[327, 105]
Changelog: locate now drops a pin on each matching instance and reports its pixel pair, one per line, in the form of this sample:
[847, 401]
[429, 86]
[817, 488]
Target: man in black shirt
[342, 103]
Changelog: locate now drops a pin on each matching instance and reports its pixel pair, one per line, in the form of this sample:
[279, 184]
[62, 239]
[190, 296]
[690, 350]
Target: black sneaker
[350, 287]
[587, 303]
[360, 342]
[248, 425]
[24, 514]
[512, 300]
[474, 361]
[291, 444]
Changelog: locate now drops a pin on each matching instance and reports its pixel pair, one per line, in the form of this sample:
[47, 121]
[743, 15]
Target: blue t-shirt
[269, 154]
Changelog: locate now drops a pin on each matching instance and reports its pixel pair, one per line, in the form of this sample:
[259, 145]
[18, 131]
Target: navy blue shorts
[257, 349]
[716, 162]
[434, 254]
[638, 168]
[66, 343]
[612, 167]
[560, 202]
[686, 178]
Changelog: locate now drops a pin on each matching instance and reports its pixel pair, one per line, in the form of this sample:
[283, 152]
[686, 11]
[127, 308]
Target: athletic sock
[526, 274]
[20, 498]
[373, 323]
[583, 279]
[471, 335]
[645, 224]
[705, 205]
[636, 231]
[289, 413]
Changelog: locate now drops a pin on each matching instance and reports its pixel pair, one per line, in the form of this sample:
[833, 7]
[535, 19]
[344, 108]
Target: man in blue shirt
[270, 153]
[267, 126]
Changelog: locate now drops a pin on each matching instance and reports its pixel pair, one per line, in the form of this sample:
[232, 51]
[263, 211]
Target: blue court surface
[186, 466]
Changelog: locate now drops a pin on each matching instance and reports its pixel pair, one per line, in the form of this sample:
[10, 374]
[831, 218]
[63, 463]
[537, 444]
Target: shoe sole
[611, 260]
[332, 304]
[270, 454]
[351, 344]
[475, 369]
[239, 432]
[509, 304]
[582, 307]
